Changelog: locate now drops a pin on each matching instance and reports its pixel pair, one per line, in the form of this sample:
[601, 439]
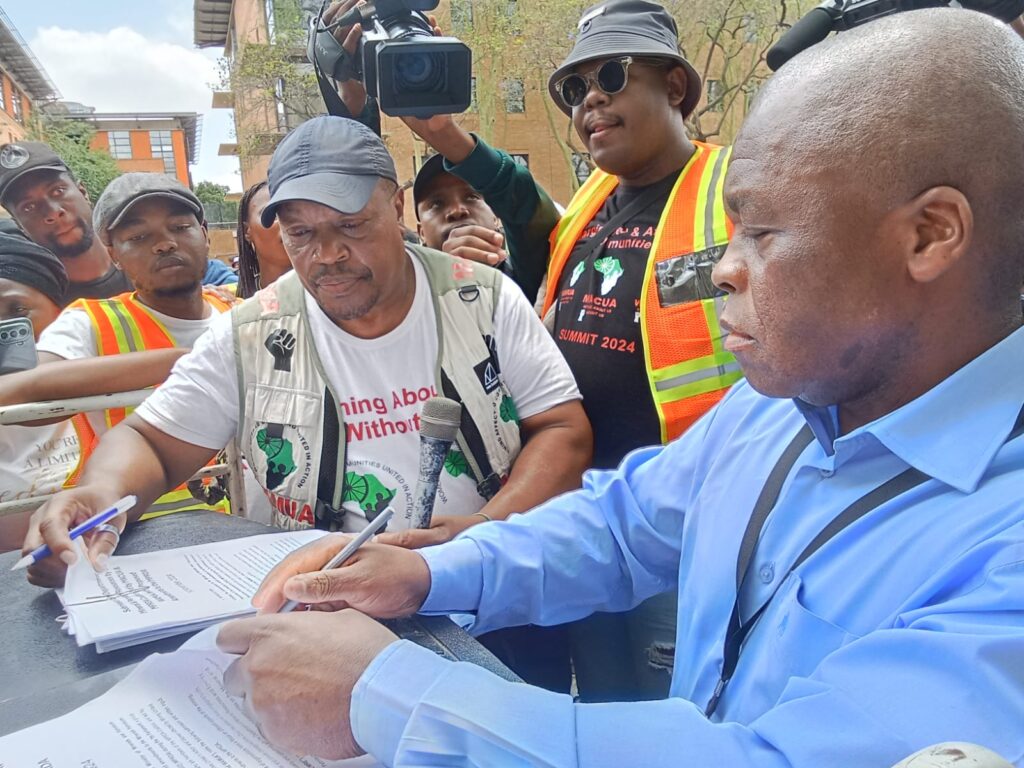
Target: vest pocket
[686, 278]
[276, 405]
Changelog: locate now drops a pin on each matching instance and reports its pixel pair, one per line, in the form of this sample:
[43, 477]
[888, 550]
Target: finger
[54, 526]
[101, 545]
[321, 587]
[270, 596]
[414, 538]
[351, 43]
[485, 234]
[476, 254]
[236, 680]
[338, 9]
[236, 636]
[47, 573]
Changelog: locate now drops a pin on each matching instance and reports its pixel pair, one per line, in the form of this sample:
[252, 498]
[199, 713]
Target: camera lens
[419, 72]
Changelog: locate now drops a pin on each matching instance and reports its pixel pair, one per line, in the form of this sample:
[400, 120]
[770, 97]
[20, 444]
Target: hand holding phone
[17, 345]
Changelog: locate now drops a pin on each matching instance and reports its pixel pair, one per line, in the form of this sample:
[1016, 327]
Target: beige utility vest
[291, 427]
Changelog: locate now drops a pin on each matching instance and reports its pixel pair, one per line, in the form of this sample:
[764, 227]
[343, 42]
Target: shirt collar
[953, 431]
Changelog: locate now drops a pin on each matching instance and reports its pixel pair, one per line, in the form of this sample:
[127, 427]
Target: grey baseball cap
[627, 28]
[18, 159]
[333, 161]
[130, 188]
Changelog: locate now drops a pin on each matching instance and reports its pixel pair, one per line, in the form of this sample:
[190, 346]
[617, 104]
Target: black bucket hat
[627, 28]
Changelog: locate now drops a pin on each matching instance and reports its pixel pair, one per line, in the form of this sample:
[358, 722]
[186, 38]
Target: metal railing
[50, 409]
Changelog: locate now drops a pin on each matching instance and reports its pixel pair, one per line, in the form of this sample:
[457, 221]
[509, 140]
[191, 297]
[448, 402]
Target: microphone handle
[432, 454]
[808, 30]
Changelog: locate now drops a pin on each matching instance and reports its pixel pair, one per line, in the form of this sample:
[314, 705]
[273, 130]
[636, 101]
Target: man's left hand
[476, 243]
[297, 672]
[442, 529]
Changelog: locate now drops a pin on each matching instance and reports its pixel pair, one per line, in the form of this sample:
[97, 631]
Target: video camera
[840, 15]
[402, 64]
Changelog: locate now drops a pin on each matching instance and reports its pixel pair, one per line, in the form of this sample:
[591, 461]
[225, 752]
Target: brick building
[150, 141]
[24, 83]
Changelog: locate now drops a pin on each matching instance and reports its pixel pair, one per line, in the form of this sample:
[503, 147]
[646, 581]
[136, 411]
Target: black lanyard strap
[738, 631]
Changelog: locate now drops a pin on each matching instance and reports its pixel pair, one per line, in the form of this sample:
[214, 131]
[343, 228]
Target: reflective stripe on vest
[687, 368]
[123, 324]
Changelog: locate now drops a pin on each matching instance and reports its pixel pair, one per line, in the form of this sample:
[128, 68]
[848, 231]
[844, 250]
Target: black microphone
[439, 425]
[808, 30]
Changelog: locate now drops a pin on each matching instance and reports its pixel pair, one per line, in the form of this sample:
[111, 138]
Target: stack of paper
[172, 710]
[140, 598]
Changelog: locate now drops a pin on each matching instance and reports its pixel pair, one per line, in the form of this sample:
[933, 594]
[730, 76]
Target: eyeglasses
[611, 78]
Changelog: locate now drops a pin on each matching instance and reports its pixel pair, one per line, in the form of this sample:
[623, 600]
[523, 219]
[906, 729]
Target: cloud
[123, 71]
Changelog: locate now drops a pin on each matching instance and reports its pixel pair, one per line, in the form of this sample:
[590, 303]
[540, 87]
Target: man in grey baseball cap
[52, 207]
[322, 374]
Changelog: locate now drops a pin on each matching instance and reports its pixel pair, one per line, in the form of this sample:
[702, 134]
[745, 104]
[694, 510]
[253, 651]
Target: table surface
[43, 673]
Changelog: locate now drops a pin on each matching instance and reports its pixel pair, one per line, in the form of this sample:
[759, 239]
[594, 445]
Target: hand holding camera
[395, 50]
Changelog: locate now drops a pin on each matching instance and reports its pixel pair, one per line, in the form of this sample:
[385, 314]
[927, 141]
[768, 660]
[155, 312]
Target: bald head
[874, 189]
[909, 102]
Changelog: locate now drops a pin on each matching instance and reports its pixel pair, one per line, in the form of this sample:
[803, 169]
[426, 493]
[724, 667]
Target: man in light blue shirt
[854, 511]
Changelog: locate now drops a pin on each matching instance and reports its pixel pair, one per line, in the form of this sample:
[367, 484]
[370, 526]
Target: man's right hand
[352, 91]
[50, 525]
[381, 581]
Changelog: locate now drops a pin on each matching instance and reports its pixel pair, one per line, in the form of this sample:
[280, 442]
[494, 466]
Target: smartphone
[17, 345]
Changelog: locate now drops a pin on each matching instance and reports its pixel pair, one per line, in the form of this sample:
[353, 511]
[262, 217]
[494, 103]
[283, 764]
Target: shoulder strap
[738, 631]
[631, 209]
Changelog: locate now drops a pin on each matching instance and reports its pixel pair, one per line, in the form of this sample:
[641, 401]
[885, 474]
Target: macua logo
[299, 512]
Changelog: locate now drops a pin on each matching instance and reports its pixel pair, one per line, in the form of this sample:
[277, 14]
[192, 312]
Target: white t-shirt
[35, 461]
[382, 384]
[71, 336]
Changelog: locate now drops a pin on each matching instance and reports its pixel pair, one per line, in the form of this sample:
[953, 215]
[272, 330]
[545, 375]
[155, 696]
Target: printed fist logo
[281, 344]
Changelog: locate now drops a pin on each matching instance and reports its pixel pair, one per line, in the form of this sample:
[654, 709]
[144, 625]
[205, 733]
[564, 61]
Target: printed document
[171, 712]
[140, 598]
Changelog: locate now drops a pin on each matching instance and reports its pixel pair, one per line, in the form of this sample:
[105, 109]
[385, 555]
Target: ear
[84, 191]
[110, 252]
[419, 230]
[940, 226]
[675, 80]
[399, 199]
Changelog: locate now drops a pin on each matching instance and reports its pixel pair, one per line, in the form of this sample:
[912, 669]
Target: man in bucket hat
[628, 286]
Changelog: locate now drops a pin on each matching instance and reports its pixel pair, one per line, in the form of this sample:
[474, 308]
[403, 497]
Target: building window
[515, 96]
[418, 161]
[271, 20]
[581, 166]
[120, 145]
[522, 159]
[16, 106]
[3, 94]
[462, 15]
[282, 111]
[162, 147]
[514, 23]
[715, 92]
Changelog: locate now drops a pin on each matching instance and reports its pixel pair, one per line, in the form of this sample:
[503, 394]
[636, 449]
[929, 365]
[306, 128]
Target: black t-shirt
[597, 326]
[114, 283]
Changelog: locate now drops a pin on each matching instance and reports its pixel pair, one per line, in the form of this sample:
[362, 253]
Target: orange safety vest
[687, 368]
[120, 325]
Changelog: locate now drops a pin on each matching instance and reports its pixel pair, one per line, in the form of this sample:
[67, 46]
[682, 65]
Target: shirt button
[766, 572]
[827, 472]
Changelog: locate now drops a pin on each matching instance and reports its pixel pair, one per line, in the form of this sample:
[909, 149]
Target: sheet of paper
[171, 712]
[147, 596]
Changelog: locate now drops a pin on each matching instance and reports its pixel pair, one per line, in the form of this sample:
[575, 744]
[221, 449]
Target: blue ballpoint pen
[96, 520]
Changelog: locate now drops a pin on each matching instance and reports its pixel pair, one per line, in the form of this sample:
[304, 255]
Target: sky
[131, 56]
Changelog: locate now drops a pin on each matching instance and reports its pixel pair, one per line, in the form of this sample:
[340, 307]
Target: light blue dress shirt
[905, 630]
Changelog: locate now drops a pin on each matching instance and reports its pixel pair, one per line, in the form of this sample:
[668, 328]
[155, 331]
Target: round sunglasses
[611, 78]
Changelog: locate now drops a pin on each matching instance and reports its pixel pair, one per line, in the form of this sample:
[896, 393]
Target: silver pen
[348, 550]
